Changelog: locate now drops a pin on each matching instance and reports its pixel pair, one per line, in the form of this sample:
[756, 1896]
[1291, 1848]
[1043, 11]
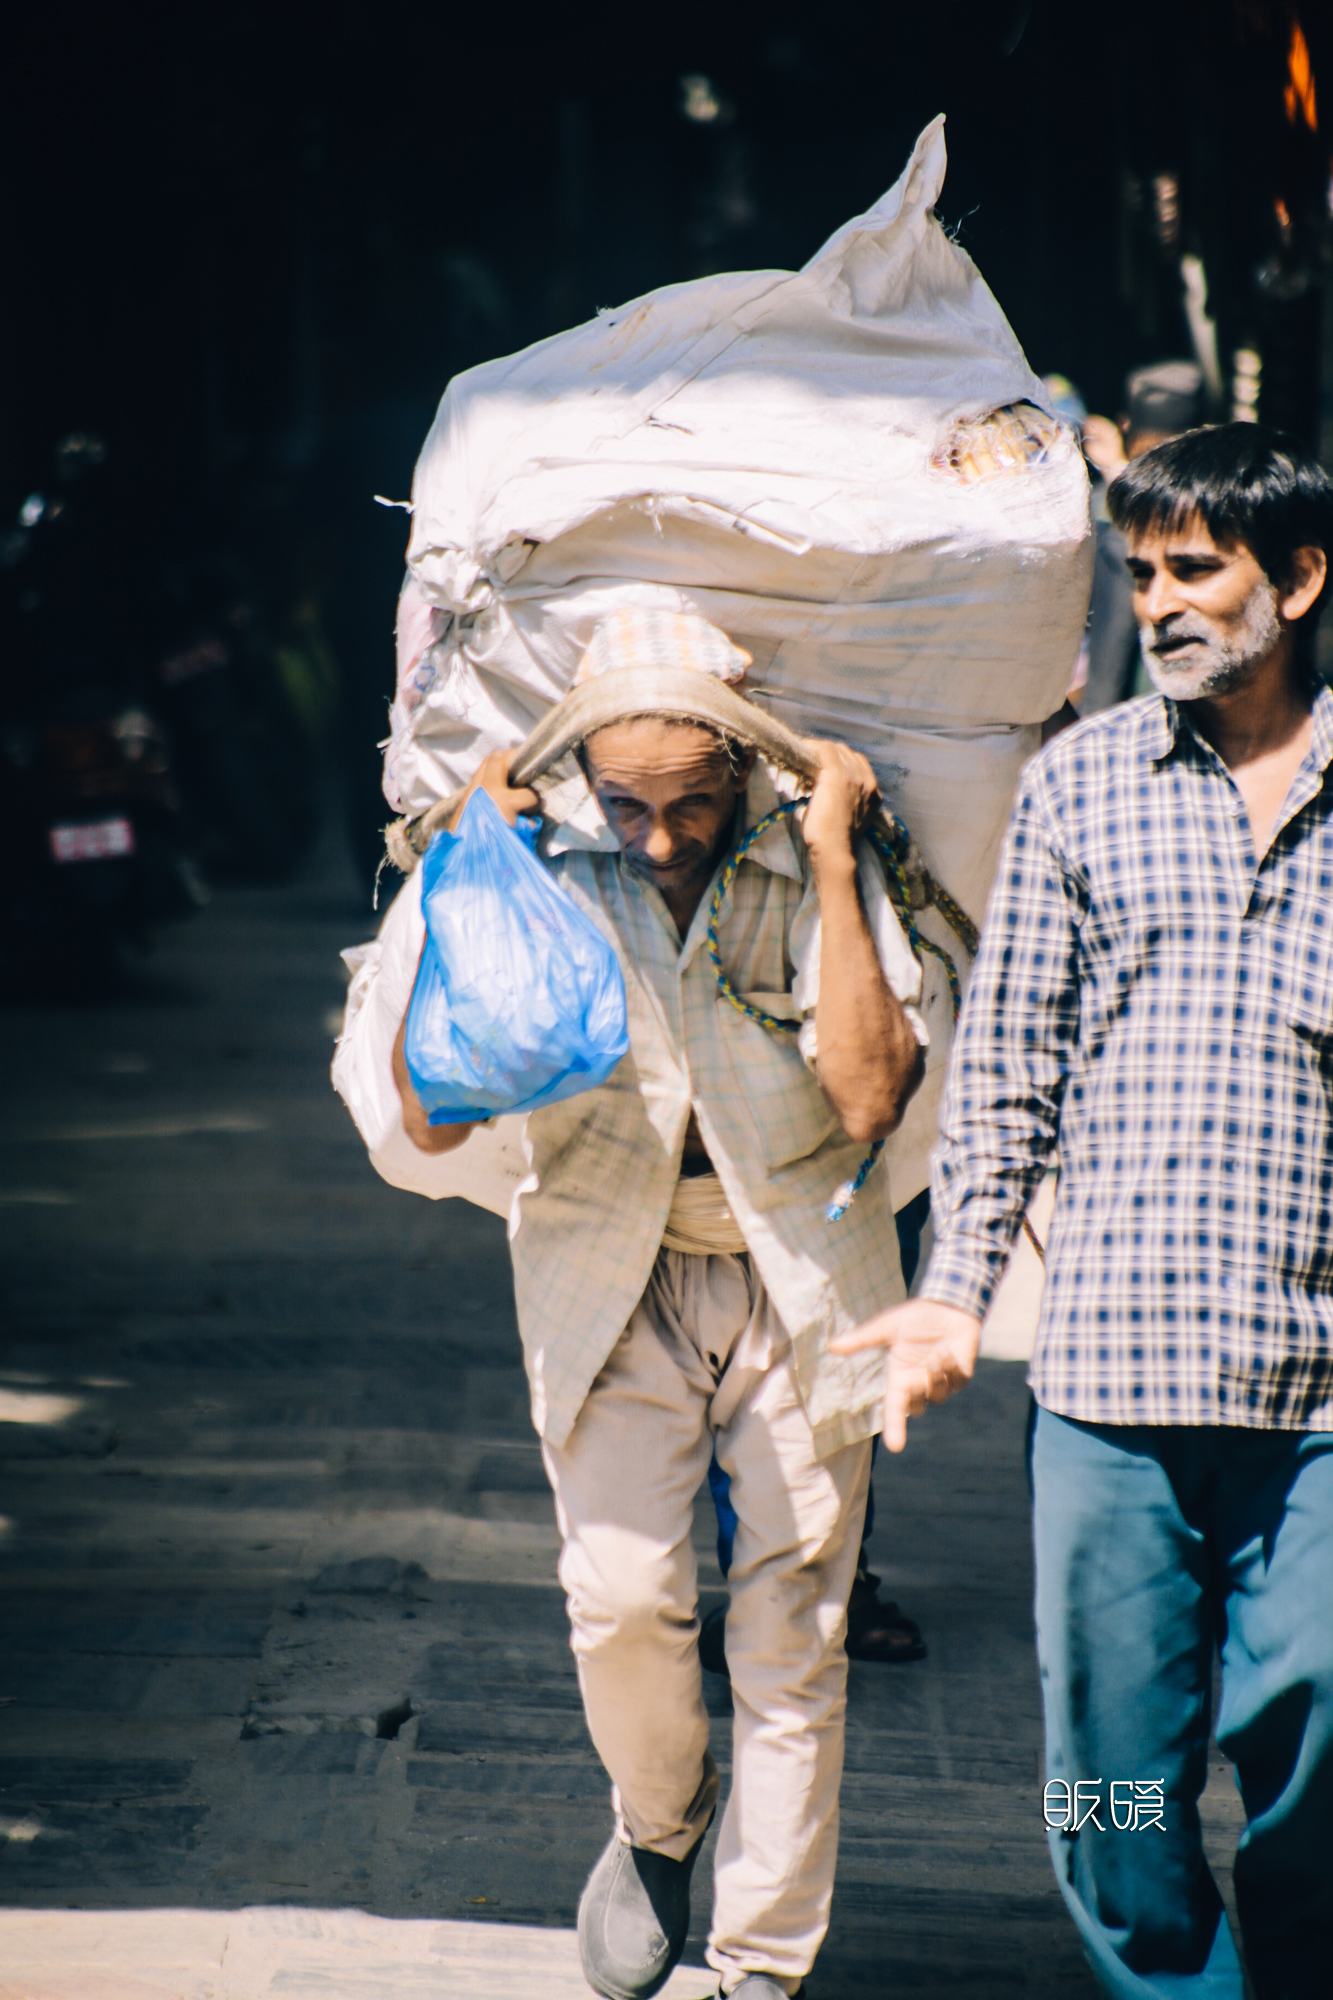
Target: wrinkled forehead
[650, 749]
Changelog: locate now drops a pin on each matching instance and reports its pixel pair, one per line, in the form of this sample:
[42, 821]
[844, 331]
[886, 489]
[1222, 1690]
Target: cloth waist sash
[699, 1221]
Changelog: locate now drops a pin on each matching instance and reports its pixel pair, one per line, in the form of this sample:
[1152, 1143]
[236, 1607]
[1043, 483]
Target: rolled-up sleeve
[1010, 1060]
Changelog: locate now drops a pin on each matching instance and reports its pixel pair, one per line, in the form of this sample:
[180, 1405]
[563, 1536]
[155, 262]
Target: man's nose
[1158, 598]
[658, 845]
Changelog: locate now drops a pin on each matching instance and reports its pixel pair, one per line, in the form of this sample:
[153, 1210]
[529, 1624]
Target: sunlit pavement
[302, 1954]
[282, 1642]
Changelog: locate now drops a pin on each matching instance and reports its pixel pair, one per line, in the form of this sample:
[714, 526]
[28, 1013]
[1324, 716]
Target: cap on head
[1166, 397]
[643, 636]
[649, 662]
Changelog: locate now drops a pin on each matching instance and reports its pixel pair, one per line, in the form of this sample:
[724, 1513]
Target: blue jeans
[909, 1222]
[1153, 1545]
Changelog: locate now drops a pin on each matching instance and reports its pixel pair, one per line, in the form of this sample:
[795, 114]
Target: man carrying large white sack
[848, 471]
[678, 1283]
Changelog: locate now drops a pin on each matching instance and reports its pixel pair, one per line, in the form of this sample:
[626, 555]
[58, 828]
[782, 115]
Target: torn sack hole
[390, 1720]
[1006, 442]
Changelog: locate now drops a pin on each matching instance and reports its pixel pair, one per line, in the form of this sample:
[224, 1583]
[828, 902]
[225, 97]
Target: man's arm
[427, 1138]
[869, 1058]
[492, 777]
[1007, 1076]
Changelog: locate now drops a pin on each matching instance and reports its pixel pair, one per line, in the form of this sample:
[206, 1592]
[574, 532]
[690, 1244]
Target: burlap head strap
[680, 693]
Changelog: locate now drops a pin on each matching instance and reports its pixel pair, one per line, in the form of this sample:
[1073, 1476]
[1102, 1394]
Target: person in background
[1154, 996]
[1160, 402]
[878, 1631]
[1064, 399]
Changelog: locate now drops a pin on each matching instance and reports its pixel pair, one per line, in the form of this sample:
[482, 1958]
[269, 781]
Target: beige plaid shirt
[587, 1224]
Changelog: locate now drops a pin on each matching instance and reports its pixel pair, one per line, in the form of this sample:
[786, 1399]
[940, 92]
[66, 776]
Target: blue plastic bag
[519, 999]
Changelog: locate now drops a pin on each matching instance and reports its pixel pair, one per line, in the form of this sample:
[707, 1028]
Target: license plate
[99, 840]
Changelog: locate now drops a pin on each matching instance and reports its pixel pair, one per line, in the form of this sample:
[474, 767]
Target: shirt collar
[775, 848]
[1159, 727]
[1321, 743]
[1162, 721]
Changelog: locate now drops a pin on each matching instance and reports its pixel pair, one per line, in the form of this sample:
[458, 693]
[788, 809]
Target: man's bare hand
[932, 1353]
[427, 1138]
[1104, 446]
[492, 777]
[846, 793]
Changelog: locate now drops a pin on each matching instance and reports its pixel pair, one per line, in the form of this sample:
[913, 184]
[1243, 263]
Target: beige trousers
[705, 1363]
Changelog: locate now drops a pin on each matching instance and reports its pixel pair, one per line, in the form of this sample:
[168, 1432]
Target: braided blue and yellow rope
[893, 846]
[892, 841]
[724, 882]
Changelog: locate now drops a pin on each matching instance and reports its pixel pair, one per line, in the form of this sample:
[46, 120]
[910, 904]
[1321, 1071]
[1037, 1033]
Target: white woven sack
[805, 459]
[849, 469]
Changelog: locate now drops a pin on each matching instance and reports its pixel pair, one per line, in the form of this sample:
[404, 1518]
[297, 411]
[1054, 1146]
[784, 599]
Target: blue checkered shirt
[1155, 1002]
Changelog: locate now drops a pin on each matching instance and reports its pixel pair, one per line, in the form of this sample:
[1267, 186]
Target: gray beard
[1227, 662]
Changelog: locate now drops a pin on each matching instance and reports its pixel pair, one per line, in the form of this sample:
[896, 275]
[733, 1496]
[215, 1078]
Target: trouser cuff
[694, 1824]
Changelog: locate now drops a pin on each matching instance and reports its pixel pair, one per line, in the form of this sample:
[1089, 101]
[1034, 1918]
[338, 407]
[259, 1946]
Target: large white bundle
[828, 465]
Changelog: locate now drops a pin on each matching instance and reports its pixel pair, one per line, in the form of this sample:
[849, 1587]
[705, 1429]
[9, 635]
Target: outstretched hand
[932, 1353]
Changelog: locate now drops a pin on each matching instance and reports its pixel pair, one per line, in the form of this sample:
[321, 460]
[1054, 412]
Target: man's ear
[1306, 573]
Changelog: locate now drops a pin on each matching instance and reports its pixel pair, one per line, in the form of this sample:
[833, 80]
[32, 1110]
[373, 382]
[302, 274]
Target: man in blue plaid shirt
[1153, 1002]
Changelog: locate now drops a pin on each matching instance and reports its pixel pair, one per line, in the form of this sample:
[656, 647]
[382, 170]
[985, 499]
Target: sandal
[881, 1634]
[876, 1632]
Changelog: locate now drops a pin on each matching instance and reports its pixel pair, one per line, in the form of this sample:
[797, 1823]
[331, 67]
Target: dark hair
[1246, 484]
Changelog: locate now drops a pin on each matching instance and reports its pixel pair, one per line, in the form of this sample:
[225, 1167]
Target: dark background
[229, 228]
[248, 245]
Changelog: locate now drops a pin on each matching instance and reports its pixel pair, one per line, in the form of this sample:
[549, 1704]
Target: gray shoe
[633, 1918]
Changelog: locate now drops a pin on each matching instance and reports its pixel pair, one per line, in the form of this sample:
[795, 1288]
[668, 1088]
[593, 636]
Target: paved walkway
[302, 1954]
[288, 1706]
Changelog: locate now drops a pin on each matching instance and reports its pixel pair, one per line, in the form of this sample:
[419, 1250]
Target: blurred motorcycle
[96, 847]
